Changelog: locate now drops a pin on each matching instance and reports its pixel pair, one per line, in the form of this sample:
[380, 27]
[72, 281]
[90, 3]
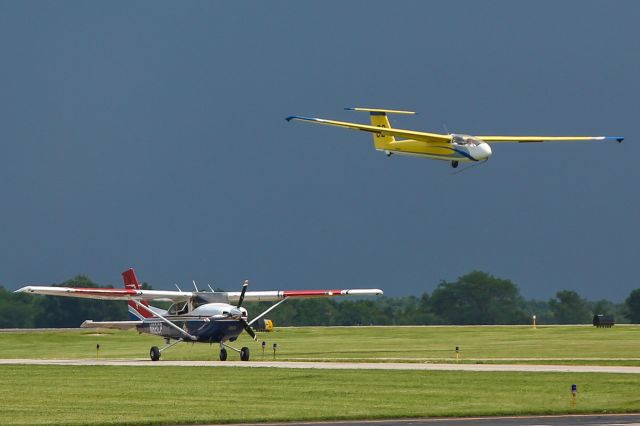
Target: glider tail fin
[379, 118]
[131, 283]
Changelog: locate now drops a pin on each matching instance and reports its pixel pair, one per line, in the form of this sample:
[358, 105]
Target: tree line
[474, 298]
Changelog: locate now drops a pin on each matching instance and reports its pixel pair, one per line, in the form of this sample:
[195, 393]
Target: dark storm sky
[152, 135]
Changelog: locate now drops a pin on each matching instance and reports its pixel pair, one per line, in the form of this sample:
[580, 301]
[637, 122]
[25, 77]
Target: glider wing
[434, 138]
[521, 139]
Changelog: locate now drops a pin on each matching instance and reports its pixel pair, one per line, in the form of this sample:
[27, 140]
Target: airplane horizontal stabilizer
[118, 325]
[380, 111]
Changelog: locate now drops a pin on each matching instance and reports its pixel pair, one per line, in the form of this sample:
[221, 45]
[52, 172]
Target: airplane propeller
[244, 290]
[244, 322]
[248, 329]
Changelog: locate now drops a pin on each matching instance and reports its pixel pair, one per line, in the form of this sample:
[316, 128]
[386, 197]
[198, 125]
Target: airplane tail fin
[379, 118]
[131, 283]
[130, 279]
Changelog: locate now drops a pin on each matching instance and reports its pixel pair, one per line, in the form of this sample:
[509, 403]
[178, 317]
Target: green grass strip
[97, 395]
[582, 345]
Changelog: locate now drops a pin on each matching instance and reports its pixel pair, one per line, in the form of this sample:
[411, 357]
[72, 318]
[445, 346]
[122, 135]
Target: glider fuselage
[462, 152]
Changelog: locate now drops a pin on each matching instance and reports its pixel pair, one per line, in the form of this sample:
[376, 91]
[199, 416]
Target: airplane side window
[184, 309]
[178, 308]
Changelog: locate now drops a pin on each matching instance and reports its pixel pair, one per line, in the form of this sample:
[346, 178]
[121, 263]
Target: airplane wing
[118, 325]
[435, 138]
[109, 293]
[547, 138]
[178, 296]
[272, 296]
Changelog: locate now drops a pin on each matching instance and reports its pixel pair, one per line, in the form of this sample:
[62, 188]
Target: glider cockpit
[465, 140]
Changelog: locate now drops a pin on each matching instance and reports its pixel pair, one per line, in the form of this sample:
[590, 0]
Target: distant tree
[569, 308]
[633, 306]
[606, 307]
[539, 308]
[71, 312]
[392, 311]
[314, 312]
[412, 310]
[478, 298]
[475, 298]
[360, 312]
[17, 310]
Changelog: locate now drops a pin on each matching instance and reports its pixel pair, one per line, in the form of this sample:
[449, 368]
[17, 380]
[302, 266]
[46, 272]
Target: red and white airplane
[199, 316]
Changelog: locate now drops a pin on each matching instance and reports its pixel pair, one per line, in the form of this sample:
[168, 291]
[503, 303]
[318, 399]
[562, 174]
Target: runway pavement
[334, 365]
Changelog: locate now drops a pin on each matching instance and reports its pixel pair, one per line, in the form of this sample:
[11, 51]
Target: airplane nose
[235, 313]
[484, 151]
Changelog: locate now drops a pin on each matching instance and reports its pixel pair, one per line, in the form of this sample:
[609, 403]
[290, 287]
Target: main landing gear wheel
[454, 164]
[154, 353]
[223, 354]
[244, 354]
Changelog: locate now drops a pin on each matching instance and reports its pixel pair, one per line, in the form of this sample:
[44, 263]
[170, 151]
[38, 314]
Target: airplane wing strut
[267, 311]
[154, 313]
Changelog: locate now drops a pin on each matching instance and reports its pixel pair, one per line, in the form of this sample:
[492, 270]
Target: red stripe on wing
[310, 293]
[106, 291]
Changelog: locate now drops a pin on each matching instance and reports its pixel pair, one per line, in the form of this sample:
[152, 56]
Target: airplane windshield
[198, 301]
[465, 140]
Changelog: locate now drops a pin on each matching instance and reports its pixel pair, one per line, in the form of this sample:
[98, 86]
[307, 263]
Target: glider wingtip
[617, 138]
[299, 117]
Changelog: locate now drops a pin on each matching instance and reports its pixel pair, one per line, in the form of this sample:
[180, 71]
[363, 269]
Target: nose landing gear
[454, 164]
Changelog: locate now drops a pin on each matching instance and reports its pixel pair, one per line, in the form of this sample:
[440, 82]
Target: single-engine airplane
[456, 148]
[199, 316]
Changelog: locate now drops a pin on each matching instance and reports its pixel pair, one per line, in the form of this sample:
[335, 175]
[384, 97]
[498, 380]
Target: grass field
[172, 395]
[619, 345]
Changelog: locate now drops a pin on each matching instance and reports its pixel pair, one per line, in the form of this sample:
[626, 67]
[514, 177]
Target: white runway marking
[333, 365]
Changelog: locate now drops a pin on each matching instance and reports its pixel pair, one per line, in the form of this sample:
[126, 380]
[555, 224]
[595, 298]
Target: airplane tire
[223, 354]
[154, 353]
[454, 164]
[244, 354]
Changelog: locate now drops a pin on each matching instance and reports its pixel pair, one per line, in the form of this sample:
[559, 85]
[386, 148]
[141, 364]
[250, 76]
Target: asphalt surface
[334, 365]
[569, 420]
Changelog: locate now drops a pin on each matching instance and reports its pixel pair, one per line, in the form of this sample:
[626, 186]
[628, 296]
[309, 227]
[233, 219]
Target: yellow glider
[452, 147]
